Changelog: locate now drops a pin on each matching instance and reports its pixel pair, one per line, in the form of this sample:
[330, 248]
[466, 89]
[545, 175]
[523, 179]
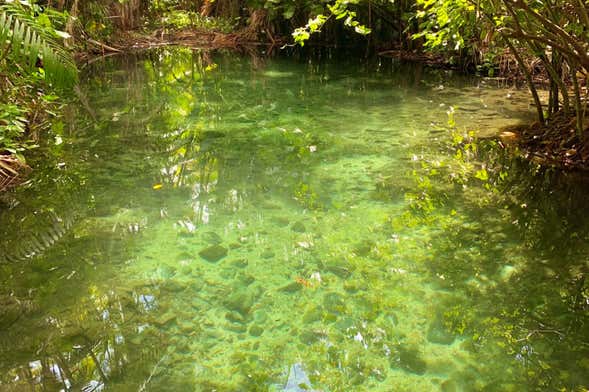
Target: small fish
[303, 281]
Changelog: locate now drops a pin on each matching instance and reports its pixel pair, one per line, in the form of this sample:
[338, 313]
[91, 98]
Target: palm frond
[25, 41]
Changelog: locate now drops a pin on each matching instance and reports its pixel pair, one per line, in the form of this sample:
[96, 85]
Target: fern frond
[26, 40]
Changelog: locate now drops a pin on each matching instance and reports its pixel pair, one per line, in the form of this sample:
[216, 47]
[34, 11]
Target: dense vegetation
[550, 39]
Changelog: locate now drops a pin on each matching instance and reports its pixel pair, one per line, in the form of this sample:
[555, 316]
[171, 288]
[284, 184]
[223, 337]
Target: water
[213, 222]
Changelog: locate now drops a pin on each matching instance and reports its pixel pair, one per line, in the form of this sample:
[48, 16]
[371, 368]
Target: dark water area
[206, 221]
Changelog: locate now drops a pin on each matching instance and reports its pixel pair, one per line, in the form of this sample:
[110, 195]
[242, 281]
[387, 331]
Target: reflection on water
[227, 224]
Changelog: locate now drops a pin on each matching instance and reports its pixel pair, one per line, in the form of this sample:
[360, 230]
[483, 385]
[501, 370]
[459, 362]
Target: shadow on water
[510, 263]
[110, 273]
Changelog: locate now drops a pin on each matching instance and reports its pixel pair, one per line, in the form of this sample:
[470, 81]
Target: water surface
[210, 222]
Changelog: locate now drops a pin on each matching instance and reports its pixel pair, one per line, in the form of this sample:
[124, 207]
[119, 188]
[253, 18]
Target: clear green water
[347, 229]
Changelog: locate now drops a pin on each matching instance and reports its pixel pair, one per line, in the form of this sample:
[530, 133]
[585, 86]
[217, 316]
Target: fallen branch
[104, 46]
[143, 386]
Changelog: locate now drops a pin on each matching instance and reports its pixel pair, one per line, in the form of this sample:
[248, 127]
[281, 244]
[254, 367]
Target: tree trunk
[207, 8]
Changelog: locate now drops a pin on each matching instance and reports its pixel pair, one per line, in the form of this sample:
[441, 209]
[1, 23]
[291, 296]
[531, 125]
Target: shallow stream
[214, 222]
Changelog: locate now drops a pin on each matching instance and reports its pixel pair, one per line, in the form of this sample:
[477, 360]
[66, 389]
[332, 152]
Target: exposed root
[555, 144]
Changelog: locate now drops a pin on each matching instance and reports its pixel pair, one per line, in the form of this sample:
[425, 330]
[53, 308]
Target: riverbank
[556, 143]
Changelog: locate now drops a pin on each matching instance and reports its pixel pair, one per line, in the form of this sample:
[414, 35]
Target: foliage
[556, 33]
[33, 64]
[180, 19]
[27, 41]
[340, 11]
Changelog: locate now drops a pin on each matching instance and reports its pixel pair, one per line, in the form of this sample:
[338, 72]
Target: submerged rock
[213, 253]
[315, 313]
[364, 248]
[410, 360]
[334, 303]
[448, 386]
[235, 317]
[298, 227]
[240, 301]
[164, 319]
[437, 333]
[309, 337]
[280, 221]
[212, 238]
[173, 286]
[241, 263]
[256, 330]
[291, 287]
[340, 269]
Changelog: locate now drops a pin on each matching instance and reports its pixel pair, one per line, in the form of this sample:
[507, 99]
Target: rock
[364, 248]
[291, 287]
[234, 317]
[437, 333]
[256, 330]
[196, 285]
[334, 303]
[166, 271]
[344, 324]
[186, 270]
[411, 361]
[267, 254]
[280, 221]
[184, 256]
[246, 279]
[235, 327]
[173, 286]
[164, 319]
[352, 286]
[448, 386]
[260, 316]
[240, 301]
[241, 263]
[213, 253]
[358, 379]
[342, 270]
[298, 227]
[309, 337]
[313, 314]
[212, 238]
